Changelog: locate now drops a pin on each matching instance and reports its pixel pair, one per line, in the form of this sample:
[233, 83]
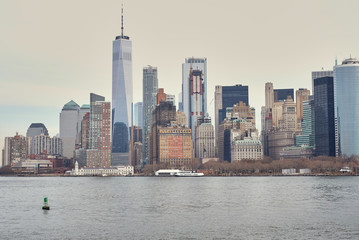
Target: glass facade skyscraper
[150, 88]
[346, 85]
[324, 116]
[282, 94]
[121, 92]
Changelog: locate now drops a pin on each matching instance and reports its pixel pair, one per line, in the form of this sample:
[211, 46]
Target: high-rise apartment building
[150, 89]
[138, 114]
[325, 129]
[16, 148]
[194, 90]
[100, 132]
[69, 128]
[121, 92]
[301, 95]
[346, 85]
[85, 131]
[44, 144]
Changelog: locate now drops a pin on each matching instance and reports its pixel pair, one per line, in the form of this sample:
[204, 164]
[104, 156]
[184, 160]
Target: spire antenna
[122, 20]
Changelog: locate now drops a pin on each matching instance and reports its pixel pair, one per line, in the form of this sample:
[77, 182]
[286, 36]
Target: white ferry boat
[189, 174]
[167, 172]
[177, 173]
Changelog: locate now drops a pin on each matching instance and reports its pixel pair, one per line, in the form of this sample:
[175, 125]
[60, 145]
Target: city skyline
[65, 59]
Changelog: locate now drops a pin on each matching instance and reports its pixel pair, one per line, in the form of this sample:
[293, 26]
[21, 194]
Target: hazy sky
[52, 52]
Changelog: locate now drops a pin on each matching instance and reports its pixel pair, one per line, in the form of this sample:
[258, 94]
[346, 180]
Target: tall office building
[194, 90]
[36, 129]
[320, 74]
[346, 85]
[150, 89]
[282, 94]
[138, 114]
[301, 95]
[121, 92]
[227, 96]
[307, 137]
[325, 134]
[269, 95]
[69, 128]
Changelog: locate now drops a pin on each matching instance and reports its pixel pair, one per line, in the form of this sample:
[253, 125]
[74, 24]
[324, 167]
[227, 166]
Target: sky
[52, 52]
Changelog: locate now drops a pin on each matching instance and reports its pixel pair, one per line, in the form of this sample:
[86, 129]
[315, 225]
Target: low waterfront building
[108, 171]
[33, 166]
[297, 152]
[246, 149]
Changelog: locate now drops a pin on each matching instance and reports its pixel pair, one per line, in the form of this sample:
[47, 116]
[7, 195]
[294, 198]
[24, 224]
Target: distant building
[84, 110]
[297, 152]
[277, 140]
[138, 114]
[36, 129]
[161, 96]
[150, 89]
[43, 144]
[346, 78]
[204, 140]
[269, 95]
[135, 145]
[307, 137]
[282, 94]
[122, 93]
[69, 128]
[181, 118]
[100, 132]
[301, 95]
[194, 90]
[171, 99]
[246, 149]
[85, 131]
[325, 134]
[109, 171]
[162, 116]
[16, 148]
[320, 74]
[175, 146]
[227, 96]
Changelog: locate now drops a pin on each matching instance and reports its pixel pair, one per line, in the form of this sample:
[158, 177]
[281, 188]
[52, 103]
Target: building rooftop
[247, 142]
[71, 106]
[85, 106]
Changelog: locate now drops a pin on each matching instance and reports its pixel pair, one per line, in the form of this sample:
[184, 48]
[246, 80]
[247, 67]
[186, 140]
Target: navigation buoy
[46, 204]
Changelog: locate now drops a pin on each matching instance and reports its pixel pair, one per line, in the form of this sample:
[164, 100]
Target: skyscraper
[138, 114]
[100, 129]
[69, 128]
[150, 88]
[308, 124]
[346, 85]
[194, 90]
[325, 140]
[121, 92]
[301, 95]
[36, 129]
[320, 74]
[282, 94]
[269, 95]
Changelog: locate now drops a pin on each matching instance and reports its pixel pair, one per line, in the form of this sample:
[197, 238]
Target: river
[180, 208]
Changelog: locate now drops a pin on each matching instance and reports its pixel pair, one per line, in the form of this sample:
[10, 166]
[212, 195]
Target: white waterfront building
[246, 149]
[111, 171]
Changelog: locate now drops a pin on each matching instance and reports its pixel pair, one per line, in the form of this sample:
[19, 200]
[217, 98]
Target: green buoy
[46, 204]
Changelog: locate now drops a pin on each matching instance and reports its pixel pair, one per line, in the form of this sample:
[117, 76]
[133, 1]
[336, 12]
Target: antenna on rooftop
[122, 20]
